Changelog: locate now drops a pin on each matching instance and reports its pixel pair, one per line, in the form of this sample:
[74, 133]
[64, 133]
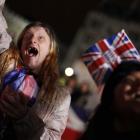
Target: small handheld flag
[102, 57]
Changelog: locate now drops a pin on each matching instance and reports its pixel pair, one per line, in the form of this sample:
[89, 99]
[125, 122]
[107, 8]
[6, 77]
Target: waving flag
[102, 57]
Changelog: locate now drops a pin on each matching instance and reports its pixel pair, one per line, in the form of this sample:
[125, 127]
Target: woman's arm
[50, 128]
[56, 123]
[28, 125]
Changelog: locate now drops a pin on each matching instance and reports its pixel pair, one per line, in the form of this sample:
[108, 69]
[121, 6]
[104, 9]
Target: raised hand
[13, 104]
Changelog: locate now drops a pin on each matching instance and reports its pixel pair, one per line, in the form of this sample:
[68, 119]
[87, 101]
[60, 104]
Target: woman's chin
[34, 68]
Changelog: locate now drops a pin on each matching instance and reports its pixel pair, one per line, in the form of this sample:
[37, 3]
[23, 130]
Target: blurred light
[69, 71]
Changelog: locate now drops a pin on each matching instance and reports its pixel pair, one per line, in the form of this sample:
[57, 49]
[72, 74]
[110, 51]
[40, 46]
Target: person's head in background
[118, 114]
[72, 82]
[84, 87]
[38, 49]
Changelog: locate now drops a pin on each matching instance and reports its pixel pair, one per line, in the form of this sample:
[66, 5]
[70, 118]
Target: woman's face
[127, 94]
[35, 47]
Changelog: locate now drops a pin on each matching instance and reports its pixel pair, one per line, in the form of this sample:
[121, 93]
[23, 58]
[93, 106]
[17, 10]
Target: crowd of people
[34, 106]
[80, 97]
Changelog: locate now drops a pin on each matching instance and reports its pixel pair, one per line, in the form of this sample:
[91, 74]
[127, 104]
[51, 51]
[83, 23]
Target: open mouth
[32, 51]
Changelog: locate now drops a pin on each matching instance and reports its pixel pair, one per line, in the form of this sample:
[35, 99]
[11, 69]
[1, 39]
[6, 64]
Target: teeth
[32, 51]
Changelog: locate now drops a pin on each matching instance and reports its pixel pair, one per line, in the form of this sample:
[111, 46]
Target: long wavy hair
[49, 72]
[9, 60]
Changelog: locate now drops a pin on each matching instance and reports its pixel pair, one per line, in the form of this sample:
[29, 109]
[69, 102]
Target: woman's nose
[33, 40]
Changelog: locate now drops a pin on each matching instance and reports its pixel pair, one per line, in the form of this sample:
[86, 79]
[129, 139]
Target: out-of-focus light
[69, 71]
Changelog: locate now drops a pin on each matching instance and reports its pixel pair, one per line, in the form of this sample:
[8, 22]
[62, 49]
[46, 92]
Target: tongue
[32, 51]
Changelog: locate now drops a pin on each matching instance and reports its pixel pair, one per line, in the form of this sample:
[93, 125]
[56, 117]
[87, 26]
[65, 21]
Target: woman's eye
[41, 38]
[128, 81]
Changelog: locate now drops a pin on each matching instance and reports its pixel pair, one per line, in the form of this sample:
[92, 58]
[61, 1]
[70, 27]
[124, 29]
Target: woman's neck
[36, 71]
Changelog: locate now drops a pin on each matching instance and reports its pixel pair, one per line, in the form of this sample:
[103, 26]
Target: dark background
[66, 16]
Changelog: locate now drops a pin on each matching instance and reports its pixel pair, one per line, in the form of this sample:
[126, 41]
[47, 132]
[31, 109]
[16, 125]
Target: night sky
[66, 16]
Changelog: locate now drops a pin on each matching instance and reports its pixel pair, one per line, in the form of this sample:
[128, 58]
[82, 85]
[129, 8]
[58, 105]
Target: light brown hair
[49, 73]
[9, 60]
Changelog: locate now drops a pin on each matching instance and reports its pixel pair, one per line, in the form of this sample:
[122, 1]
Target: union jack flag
[102, 57]
[21, 82]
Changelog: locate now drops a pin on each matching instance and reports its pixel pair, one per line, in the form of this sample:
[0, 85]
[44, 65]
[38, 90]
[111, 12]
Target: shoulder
[2, 2]
[63, 95]
[63, 91]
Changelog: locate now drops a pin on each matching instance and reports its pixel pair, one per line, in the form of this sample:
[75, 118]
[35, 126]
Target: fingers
[19, 96]
[7, 109]
[10, 99]
[12, 109]
[7, 90]
[13, 104]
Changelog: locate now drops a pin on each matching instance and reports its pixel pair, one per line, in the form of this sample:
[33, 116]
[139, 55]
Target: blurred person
[75, 124]
[81, 105]
[118, 114]
[85, 94]
[47, 118]
[71, 82]
[14, 75]
[72, 85]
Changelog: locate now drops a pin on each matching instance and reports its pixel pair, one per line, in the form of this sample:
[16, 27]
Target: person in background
[72, 82]
[118, 114]
[72, 85]
[14, 75]
[85, 94]
[47, 118]
[82, 104]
